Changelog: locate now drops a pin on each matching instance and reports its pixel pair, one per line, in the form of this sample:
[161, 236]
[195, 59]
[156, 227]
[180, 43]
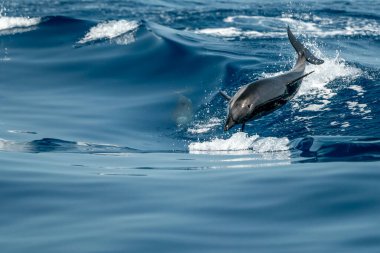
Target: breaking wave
[12, 25]
[120, 30]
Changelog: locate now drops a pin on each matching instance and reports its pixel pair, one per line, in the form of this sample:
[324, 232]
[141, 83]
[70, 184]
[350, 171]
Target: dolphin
[264, 96]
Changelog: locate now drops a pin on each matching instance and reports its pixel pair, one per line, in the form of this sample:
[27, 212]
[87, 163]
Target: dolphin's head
[238, 113]
[229, 123]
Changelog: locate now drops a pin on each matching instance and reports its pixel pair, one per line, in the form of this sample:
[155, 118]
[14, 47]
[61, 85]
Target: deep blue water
[111, 127]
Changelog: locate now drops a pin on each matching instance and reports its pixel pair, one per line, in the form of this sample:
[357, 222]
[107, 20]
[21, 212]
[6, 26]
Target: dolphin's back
[269, 89]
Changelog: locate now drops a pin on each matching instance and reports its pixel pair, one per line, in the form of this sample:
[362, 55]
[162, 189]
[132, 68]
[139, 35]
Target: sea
[111, 127]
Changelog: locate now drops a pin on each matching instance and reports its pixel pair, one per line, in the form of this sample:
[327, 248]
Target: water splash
[332, 69]
[201, 127]
[242, 141]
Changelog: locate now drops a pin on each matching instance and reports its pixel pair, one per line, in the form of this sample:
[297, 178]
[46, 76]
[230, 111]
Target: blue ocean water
[111, 127]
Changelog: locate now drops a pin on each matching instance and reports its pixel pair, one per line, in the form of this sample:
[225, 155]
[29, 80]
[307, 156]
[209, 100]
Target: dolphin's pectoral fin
[228, 98]
[242, 127]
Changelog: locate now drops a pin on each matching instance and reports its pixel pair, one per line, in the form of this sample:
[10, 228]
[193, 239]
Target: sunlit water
[111, 128]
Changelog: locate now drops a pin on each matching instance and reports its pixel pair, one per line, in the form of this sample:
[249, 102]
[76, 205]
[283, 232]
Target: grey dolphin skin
[264, 96]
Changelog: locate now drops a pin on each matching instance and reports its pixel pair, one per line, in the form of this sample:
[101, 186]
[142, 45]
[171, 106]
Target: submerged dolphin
[264, 96]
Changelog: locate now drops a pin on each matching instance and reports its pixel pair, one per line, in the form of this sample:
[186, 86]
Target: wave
[120, 30]
[17, 22]
[166, 54]
[13, 25]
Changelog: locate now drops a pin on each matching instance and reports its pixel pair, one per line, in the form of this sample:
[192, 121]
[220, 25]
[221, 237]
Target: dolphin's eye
[249, 106]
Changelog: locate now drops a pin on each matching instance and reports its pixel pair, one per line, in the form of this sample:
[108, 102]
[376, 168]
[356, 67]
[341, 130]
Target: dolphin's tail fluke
[301, 50]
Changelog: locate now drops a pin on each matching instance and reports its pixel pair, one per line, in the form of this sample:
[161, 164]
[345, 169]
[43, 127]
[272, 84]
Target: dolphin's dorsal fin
[225, 95]
[299, 78]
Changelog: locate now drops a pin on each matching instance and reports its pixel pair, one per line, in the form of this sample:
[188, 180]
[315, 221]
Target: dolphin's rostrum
[264, 96]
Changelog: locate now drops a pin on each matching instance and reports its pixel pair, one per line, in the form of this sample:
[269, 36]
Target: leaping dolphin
[264, 96]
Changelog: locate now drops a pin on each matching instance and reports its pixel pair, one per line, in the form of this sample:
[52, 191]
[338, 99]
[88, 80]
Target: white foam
[241, 141]
[257, 34]
[238, 141]
[201, 128]
[316, 107]
[122, 30]
[341, 125]
[7, 23]
[304, 118]
[358, 89]
[231, 19]
[357, 109]
[221, 32]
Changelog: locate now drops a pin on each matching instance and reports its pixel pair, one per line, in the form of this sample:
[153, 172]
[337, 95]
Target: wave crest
[110, 30]
[8, 23]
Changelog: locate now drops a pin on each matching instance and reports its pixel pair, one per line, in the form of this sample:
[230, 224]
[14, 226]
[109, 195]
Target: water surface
[112, 128]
